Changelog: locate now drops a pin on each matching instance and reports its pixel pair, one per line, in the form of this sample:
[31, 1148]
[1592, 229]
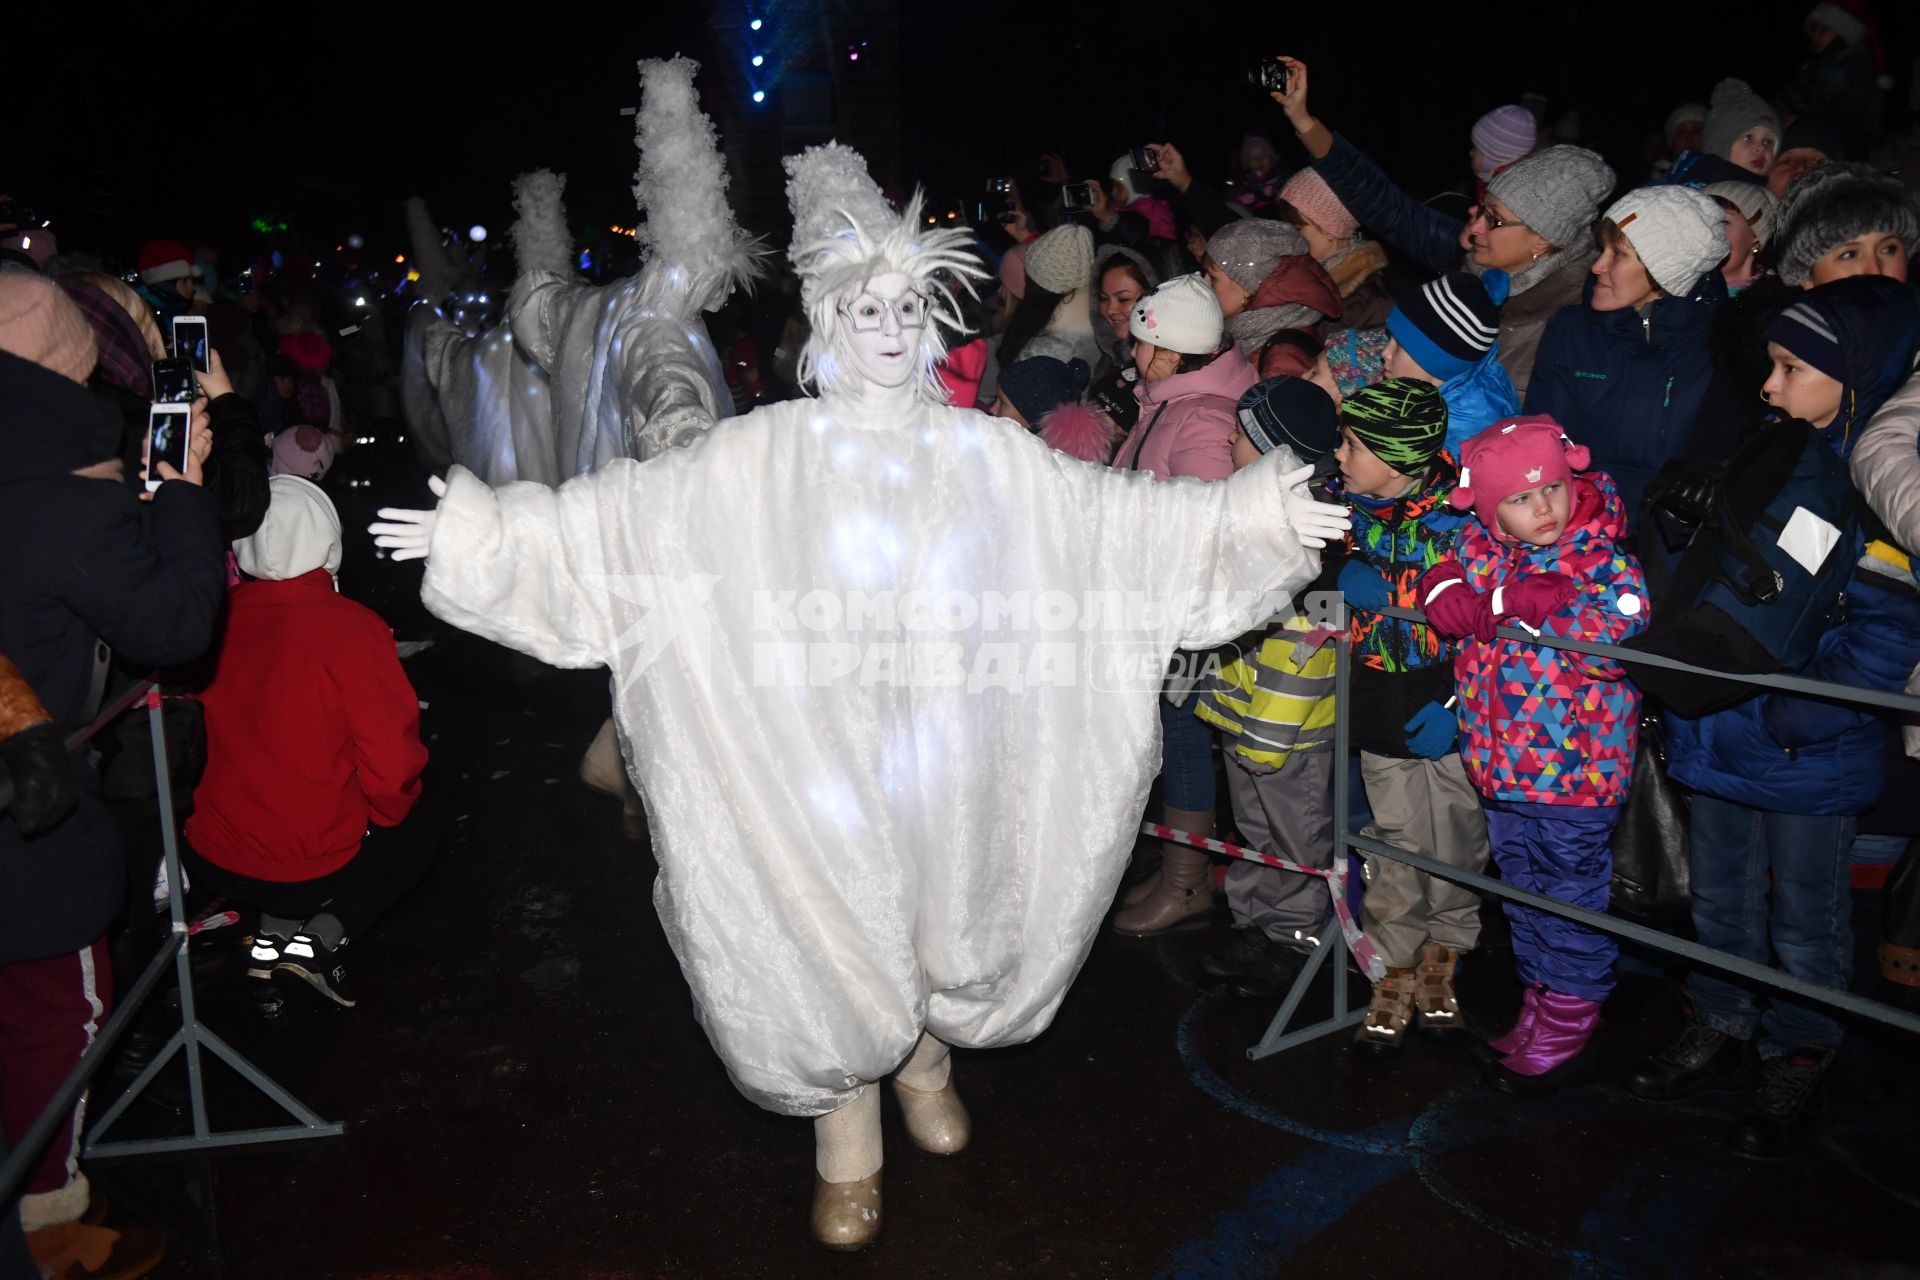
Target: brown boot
[1136, 892]
[1391, 1013]
[1180, 899]
[1439, 1010]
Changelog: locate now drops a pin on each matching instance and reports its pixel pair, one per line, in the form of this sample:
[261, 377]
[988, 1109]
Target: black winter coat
[85, 561]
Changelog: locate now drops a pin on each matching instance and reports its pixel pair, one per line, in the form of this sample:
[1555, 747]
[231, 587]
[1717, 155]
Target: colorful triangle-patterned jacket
[1550, 726]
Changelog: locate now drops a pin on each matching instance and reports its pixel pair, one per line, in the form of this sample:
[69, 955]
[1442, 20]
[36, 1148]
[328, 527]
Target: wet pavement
[526, 1094]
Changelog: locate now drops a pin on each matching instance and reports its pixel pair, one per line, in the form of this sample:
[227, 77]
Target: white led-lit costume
[851, 857]
[579, 374]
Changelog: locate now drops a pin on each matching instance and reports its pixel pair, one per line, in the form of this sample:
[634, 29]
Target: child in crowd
[1446, 332]
[1779, 782]
[1350, 360]
[1395, 471]
[1274, 707]
[1550, 734]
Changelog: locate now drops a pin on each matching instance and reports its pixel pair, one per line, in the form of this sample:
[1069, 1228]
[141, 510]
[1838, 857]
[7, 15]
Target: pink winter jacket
[1186, 421]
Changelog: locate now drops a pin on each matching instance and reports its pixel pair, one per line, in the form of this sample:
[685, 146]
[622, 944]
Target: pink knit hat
[1013, 270]
[1511, 456]
[1504, 135]
[302, 451]
[1308, 192]
[38, 322]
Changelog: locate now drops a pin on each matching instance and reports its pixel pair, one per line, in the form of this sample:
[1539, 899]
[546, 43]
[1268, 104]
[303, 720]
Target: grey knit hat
[1061, 260]
[1557, 192]
[1736, 109]
[1679, 233]
[1830, 205]
[1249, 249]
[1754, 202]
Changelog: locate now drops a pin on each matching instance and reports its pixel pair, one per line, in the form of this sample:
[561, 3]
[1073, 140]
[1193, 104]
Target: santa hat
[164, 260]
[1512, 456]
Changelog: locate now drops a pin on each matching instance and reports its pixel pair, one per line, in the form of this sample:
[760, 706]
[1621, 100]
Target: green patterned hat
[1403, 420]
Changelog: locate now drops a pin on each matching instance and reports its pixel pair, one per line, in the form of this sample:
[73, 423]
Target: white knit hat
[1181, 315]
[1679, 233]
[1061, 260]
[1753, 201]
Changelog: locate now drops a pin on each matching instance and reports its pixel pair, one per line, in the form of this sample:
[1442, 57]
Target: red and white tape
[1358, 943]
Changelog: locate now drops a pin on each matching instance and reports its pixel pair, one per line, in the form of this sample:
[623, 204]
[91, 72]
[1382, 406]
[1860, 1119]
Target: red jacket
[313, 732]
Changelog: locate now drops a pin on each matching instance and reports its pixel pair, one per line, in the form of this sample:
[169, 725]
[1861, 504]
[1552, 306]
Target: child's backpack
[1762, 578]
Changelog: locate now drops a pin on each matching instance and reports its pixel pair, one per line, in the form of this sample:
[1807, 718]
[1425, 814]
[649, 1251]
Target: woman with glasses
[1534, 224]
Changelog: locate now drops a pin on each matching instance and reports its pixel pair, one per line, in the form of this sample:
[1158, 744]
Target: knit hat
[38, 322]
[1038, 385]
[1557, 192]
[1837, 20]
[1290, 411]
[1446, 325]
[309, 351]
[1357, 358]
[1181, 315]
[1013, 270]
[1248, 249]
[1503, 135]
[1061, 260]
[1860, 331]
[164, 260]
[1736, 109]
[1754, 203]
[1679, 233]
[300, 533]
[1830, 205]
[303, 451]
[1403, 420]
[1308, 192]
[1681, 114]
[1512, 456]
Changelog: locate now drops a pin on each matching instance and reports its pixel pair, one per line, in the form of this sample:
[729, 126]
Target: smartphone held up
[190, 341]
[168, 427]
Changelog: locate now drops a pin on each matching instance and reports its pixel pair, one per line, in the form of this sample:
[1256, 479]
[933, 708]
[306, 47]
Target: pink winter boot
[1555, 1053]
[1515, 1037]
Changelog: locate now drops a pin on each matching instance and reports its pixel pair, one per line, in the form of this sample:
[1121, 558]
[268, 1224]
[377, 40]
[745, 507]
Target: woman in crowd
[1625, 373]
[1780, 781]
[1190, 387]
[1843, 76]
[1121, 277]
[1356, 265]
[1533, 224]
[1749, 211]
[1273, 294]
[1053, 317]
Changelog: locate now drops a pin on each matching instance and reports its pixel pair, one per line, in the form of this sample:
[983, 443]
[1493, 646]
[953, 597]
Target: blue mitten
[1434, 732]
[1363, 586]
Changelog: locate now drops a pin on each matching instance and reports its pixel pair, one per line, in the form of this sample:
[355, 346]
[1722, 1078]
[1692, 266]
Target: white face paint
[882, 327]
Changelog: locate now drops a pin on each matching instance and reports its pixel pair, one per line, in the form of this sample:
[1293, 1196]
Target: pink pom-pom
[1577, 456]
[1079, 431]
[1462, 499]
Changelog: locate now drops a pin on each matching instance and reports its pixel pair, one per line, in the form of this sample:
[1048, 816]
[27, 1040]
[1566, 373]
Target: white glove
[1314, 523]
[408, 534]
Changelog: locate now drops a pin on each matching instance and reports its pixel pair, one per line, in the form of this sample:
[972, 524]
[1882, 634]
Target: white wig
[844, 234]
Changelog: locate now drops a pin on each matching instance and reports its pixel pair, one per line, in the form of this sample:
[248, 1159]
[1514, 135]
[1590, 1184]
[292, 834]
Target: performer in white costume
[868, 849]
[579, 374]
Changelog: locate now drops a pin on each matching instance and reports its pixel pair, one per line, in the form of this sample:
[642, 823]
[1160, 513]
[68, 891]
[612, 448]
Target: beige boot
[1433, 997]
[1391, 1014]
[1182, 894]
[1137, 892]
[847, 1167]
[937, 1120]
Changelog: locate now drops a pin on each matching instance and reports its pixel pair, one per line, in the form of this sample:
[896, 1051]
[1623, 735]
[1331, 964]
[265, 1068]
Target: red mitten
[1534, 598]
[1453, 607]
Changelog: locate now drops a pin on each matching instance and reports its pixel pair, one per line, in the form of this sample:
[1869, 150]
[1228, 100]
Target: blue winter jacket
[1420, 231]
[1628, 386]
[1799, 755]
[1477, 399]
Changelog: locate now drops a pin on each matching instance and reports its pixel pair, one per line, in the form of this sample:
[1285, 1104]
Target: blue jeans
[1186, 758]
[1801, 920]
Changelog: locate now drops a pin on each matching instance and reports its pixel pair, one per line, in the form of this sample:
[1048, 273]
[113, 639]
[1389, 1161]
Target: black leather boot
[1778, 1126]
[1701, 1059]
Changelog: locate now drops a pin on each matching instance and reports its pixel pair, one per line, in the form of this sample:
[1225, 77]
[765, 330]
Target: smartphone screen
[190, 340]
[166, 439]
[173, 381]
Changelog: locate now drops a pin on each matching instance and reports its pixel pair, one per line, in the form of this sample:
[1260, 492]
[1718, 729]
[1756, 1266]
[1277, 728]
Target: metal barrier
[190, 1038]
[1333, 949]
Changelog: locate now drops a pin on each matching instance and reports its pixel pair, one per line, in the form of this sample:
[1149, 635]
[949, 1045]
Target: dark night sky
[334, 119]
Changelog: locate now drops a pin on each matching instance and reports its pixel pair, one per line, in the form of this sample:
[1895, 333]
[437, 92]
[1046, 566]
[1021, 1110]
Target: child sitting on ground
[1274, 708]
[1550, 733]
